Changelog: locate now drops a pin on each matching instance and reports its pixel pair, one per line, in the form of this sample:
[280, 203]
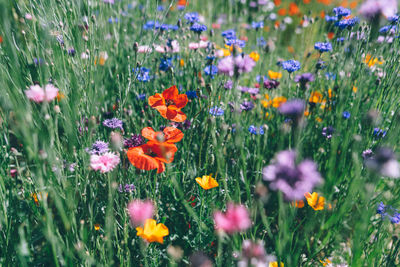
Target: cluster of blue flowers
[151, 24]
[290, 65]
[143, 74]
[388, 212]
[231, 38]
[323, 47]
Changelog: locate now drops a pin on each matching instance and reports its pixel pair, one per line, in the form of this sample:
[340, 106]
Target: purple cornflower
[346, 115]
[198, 28]
[247, 106]
[293, 108]
[290, 65]
[292, 179]
[226, 66]
[328, 132]
[216, 111]
[271, 84]
[98, 147]
[367, 154]
[113, 123]
[384, 161]
[228, 84]
[249, 90]
[244, 63]
[134, 140]
[379, 133]
[304, 79]
[257, 25]
[323, 47]
[388, 211]
[241, 64]
[192, 17]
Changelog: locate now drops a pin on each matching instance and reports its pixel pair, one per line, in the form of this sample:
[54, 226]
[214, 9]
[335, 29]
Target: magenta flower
[38, 94]
[104, 163]
[235, 219]
[139, 211]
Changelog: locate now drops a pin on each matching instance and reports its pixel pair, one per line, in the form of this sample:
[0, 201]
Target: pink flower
[175, 47]
[244, 63]
[144, 49]
[38, 94]
[193, 46]
[139, 211]
[160, 49]
[226, 66]
[235, 219]
[104, 163]
[203, 44]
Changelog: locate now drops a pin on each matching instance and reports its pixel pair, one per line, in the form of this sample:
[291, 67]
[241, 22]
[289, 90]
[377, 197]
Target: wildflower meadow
[199, 133]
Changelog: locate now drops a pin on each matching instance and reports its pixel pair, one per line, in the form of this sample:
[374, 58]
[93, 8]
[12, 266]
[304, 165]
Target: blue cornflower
[347, 23]
[341, 11]
[160, 8]
[346, 114]
[323, 47]
[198, 28]
[141, 97]
[143, 74]
[290, 65]
[385, 29]
[192, 17]
[340, 39]
[379, 133]
[113, 123]
[331, 18]
[261, 42]
[393, 19]
[256, 130]
[191, 94]
[211, 70]
[216, 111]
[151, 24]
[165, 64]
[389, 212]
[330, 76]
[229, 34]
[236, 42]
[257, 25]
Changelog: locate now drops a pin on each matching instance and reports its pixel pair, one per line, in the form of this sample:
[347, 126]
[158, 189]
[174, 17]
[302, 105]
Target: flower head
[152, 232]
[198, 28]
[98, 147]
[290, 65]
[104, 163]
[38, 94]
[207, 182]
[169, 104]
[293, 108]
[323, 47]
[315, 202]
[139, 211]
[113, 123]
[292, 179]
[235, 219]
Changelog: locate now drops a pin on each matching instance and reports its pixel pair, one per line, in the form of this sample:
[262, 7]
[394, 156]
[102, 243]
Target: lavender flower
[98, 147]
[271, 84]
[373, 8]
[113, 123]
[127, 188]
[192, 17]
[249, 90]
[388, 212]
[292, 179]
[228, 84]
[134, 140]
[216, 111]
[304, 79]
[292, 108]
[328, 132]
[247, 106]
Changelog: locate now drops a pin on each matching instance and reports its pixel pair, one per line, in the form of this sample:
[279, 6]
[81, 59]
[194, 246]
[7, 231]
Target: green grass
[36, 140]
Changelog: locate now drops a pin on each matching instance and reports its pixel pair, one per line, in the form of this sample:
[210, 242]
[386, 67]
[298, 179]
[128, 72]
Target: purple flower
[388, 211]
[256, 130]
[134, 140]
[244, 63]
[228, 84]
[292, 179]
[384, 162]
[292, 108]
[226, 66]
[367, 154]
[290, 65]
[98, 147]
[341, 11]
[249, 90]
[247, 106]
[373, 8]
[328, 132]
[113, 123]
[198, 28]
[304, 79]
[346, 114]
[192, 17]
[127, 188]
[271, 84]
[216, 111]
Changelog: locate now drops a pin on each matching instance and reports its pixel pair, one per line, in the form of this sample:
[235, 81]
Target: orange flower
[282, 12]
[207, 182]
[152, 231]
[169, 135]
[169, 104]
[278, 101]
[298, 204]
[97, 227]
[371, 61]
[315, 202]
[152, 155]
[293, 9]
[331, 35]
[274, 75]
[255, 56]
[1, 39]
[277, 2]
[316, 97]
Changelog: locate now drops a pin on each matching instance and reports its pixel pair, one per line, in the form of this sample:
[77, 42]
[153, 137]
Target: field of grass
[287, 112]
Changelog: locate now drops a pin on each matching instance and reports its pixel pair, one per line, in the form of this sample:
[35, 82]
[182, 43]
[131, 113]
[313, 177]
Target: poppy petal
[181, 100]
[180, 117]
[156, 100]
[140, 160]
[172, 135]
[148, 133]
[170, 93]
[171, 114]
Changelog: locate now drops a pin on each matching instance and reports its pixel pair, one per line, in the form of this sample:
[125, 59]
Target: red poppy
[169, 104]
[169, 135]
[152, 155]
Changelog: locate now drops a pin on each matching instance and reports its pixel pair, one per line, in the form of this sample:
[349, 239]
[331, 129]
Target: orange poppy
[169, 135]
[152, 155]
[169, 104]
[293, 9]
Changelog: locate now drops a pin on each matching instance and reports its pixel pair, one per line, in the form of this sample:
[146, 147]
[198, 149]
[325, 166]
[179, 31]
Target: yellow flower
[371, 61]
[315, 202]
[152, 231]
[325, 262]
[274, 75]
[181, 63]
[207, 182]
[255, 56]
[316, 97]
[97, 227]
[275, 264]
[355, 89]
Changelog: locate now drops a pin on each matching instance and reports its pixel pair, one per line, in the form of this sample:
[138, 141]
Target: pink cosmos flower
[38, 94]
[139, 211]
[104, 163]
[235, 219]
